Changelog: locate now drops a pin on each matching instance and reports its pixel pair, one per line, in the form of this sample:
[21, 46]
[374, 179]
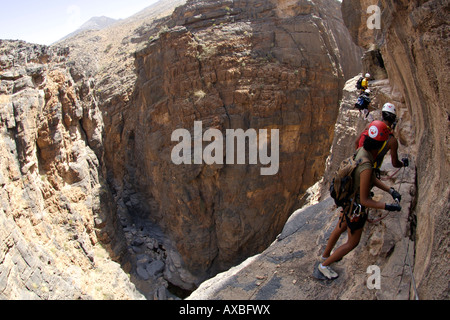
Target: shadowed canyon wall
[89, 192]
[56, 212]
[88, 181]
[408, 60]
[232, 65]
[414, 43]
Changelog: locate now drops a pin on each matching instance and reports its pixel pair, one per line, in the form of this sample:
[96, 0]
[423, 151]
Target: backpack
[363, 102]
[341, 189]
[360, 103]
[359, 83]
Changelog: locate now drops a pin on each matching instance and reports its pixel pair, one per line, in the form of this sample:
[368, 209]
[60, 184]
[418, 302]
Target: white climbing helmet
[367, 75]
[367, 91]
[389, 107]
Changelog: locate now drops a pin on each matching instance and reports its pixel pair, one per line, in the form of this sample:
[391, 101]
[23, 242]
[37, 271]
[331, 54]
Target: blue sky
[46, 21]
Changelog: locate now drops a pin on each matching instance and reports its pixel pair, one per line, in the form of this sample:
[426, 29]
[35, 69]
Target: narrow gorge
[93, 206]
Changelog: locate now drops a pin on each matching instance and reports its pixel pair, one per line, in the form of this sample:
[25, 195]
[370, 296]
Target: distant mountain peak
[98, 23]
[95, 23]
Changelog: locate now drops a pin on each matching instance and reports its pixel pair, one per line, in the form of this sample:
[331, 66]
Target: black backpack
[359, 83]
[363, 102]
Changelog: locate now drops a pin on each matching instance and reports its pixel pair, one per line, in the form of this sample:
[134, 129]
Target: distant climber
[354, 216]
[363, 102]
[389, 116]
[363, 83]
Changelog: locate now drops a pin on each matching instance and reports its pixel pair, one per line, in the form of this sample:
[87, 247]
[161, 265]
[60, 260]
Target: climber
[389, 116]
[363, 103]
[354, 217]
[363, 83]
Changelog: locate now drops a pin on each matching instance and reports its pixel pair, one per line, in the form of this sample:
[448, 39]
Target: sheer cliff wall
[414, 43]
[89, 192]
[232, 65]
[56, 217]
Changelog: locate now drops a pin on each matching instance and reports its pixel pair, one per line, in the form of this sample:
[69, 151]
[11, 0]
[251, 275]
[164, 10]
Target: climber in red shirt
[389, 115]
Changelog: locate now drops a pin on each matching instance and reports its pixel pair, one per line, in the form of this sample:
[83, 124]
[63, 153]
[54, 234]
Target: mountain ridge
[94, 23]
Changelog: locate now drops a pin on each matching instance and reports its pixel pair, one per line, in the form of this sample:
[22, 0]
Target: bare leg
[335, 235]
[352, 242]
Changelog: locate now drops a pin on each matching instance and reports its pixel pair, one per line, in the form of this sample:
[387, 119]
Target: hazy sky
[45, 21]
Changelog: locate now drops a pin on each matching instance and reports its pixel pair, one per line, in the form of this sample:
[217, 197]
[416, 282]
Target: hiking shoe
[327, 272]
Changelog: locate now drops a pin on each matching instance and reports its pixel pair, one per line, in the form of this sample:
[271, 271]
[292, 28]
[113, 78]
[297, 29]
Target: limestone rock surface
[285, 271]
[414, 44]
[232, 65]
[59, 239]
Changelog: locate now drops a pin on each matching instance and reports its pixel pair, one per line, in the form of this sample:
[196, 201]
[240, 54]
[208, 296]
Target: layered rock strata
[87, 125]
[55, 204]
[232, 65]
[414, 44]
[285, 270]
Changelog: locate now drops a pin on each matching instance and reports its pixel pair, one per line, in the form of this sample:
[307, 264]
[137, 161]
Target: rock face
[284, 271]
[414, 45]
[88, 182]
[89, 191]
[55, 205]
[232, 65]
[411, 45]
[61, 235]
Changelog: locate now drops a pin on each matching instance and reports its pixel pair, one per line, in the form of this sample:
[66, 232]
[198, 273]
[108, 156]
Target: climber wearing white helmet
[365, 82]
[353, 217]
[389, 115]
[363, 103]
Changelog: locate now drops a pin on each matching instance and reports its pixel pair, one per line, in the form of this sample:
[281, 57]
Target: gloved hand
[393, 207]
[405, 162]
[395, 195]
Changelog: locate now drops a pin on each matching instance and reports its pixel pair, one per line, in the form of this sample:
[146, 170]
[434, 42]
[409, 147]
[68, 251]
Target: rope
[385, 179]
[392, 175]
[379, 219]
